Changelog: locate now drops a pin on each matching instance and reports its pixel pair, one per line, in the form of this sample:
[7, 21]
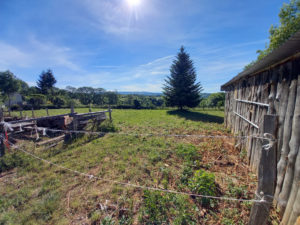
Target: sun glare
[134, 3]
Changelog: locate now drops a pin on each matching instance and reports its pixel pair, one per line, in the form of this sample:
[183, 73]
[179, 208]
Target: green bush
[186, 174]
[188, 152]
[203, 183]
[161, 208]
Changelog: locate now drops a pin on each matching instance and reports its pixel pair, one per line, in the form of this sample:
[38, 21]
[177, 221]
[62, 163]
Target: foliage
[158, 207]
[181, 89]
[188, 152]
[216, 99]
[10, 161]
[8, 84]
[46, 81]
[107, 126]
[203, 183]
[58, 101]
[289, 16]
[36, 100]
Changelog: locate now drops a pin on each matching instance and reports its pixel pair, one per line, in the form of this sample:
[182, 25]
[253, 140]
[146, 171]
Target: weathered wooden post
[47, 111]
[90, 109]
[2, 147]
[75, 120]
[266, 173]
[32, 113]
[21, 113]
[72, 108]
[109, 111]
[1, 115]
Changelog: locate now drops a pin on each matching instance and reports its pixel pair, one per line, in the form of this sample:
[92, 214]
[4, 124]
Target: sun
[134, 3]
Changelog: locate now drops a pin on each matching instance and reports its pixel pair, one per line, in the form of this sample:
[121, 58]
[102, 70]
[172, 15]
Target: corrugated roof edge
[287, 49]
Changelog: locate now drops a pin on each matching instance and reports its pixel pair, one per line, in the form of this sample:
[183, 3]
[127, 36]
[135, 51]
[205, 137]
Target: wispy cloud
[36, 54]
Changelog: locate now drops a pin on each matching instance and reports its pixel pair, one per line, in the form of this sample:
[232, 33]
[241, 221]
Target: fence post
[21, 113]
[32, 112]
[1, 115]
[2, 147]
[72, 108]
[109, 110]
[47, 111]
[266, 173]
[90, 109]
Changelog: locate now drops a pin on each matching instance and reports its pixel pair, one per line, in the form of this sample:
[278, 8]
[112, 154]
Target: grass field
[32, 192]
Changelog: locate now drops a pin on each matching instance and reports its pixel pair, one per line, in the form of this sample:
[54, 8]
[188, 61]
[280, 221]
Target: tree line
[46, 95]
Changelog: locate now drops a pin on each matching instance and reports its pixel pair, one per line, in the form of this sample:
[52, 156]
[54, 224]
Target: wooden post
[266, 174]
[2, 147]
[32, 112]
[47, 111]
[109, 110]
[9, 112]
[1, 115]
[90, 109]
[72, 108]
[21, 113]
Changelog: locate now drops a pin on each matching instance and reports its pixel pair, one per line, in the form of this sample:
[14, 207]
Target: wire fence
[91, 176]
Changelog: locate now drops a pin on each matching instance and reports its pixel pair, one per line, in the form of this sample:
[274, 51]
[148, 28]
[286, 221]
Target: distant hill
[145, 93]
[205, 95]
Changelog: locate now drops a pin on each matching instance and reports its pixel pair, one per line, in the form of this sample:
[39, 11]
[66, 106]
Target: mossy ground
[37, 193]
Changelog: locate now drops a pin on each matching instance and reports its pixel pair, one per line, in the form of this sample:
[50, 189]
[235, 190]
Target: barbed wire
[90, 176]
[153, 134]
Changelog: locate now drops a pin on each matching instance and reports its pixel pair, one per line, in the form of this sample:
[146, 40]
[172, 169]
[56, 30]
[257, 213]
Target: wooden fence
[273, 91]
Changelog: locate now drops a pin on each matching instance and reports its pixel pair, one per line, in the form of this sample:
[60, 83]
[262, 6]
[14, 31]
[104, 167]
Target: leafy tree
[112, 97]
[203, 103]
[8, 84]
[86, 95]
[58, 101]
[137, 104]
[216, 99]
[181, 88]
[46, 81]
[36, 100]
[289, 16]
[98, 99]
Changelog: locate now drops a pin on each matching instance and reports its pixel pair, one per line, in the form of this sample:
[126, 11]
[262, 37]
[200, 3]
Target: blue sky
[119, 46]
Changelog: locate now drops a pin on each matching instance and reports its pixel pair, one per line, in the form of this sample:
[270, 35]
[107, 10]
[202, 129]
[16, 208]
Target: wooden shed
[271, 86]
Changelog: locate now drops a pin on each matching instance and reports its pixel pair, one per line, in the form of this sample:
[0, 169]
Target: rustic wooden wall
[279, 87]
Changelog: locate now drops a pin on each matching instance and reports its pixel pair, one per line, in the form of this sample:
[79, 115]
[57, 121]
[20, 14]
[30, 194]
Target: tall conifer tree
[181, 89]
[46, 81]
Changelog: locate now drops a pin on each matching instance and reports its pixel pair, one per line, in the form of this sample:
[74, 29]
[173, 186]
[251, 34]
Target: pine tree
[46, 81]
[181, 89]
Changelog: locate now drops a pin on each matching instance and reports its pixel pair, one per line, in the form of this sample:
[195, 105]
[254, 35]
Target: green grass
[38, 193]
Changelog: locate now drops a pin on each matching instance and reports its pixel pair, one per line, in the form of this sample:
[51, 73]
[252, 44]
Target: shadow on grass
[197, 116]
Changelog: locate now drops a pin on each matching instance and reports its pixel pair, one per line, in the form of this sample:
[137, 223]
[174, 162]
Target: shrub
[58, 101]
[15, 107]
[188, 152]
[186, 174]
[159, 208]
[203, 183]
